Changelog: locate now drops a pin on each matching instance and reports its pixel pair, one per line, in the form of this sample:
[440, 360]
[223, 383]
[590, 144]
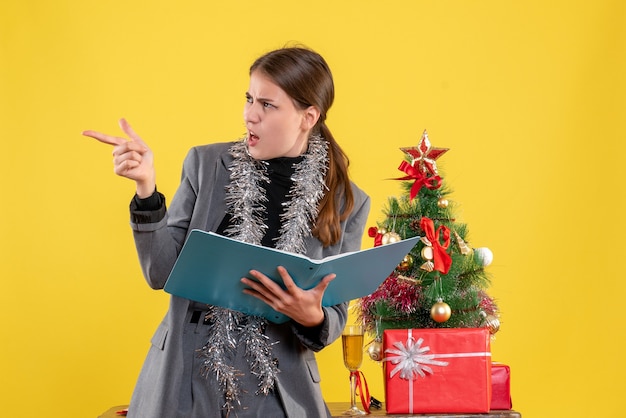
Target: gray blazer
[199, 204]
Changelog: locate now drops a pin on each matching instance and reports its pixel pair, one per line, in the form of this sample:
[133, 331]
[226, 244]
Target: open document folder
[210, 266]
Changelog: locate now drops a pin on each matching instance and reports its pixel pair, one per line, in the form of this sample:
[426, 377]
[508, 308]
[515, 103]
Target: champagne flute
[352, 343]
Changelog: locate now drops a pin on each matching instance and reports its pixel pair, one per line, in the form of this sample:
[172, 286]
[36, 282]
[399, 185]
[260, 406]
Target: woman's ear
[310, 117]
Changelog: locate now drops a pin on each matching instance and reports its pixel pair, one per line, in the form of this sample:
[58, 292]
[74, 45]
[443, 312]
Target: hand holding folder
[210, 266]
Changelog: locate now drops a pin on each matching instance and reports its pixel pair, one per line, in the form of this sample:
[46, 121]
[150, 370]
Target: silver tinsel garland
[223, 341]
[245, 198]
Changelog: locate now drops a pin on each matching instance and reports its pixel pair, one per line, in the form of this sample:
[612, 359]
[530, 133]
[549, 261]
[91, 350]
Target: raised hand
[132, 158]
[303, 306]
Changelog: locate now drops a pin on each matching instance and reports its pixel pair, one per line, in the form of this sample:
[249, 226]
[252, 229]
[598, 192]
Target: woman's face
[276, 127]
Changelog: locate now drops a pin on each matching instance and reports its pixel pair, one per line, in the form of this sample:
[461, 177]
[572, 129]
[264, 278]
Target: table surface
[337, 408]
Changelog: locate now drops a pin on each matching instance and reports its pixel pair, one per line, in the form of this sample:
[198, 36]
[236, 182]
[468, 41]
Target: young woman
[284, 185]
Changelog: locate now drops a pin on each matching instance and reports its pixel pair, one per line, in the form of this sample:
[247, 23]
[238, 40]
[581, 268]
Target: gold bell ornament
[492, 323]
[375, 350]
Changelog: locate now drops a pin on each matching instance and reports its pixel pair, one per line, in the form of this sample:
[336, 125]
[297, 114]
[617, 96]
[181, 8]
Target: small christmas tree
[441, 283]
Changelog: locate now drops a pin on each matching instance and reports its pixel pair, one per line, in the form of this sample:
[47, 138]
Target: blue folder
[210, 266]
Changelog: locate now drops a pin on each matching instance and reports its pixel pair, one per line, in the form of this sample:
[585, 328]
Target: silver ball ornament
[484, 256]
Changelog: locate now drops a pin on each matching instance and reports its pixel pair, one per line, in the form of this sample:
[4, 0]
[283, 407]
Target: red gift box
[437, 370]
[500, 386]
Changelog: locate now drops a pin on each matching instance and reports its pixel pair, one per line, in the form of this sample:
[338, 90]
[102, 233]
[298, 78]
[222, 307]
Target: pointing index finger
[107, 139]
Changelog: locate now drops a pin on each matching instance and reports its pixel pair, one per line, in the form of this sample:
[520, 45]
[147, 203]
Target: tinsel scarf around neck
[246, 201]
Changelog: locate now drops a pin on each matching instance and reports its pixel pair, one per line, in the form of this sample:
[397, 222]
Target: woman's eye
[268, 105]
[248, 99]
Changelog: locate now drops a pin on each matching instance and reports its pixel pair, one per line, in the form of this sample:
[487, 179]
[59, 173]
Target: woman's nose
[250, 113]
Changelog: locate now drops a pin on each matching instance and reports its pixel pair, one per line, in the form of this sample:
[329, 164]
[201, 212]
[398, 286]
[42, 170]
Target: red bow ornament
[441, 258]
[421, 179]
[376, 234]
[362, 389]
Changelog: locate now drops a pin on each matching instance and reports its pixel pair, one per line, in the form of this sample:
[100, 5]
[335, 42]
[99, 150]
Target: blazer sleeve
[159, 243]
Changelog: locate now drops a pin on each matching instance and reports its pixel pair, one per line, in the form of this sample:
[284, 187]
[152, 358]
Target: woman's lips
[252, 139]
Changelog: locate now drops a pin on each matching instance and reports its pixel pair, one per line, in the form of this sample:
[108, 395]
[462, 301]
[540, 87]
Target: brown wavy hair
[305, 76]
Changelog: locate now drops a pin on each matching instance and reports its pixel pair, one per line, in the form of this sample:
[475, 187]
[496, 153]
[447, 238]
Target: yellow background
[529, 96]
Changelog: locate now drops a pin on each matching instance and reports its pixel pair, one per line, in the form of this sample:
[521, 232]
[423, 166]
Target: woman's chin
[257, 153]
